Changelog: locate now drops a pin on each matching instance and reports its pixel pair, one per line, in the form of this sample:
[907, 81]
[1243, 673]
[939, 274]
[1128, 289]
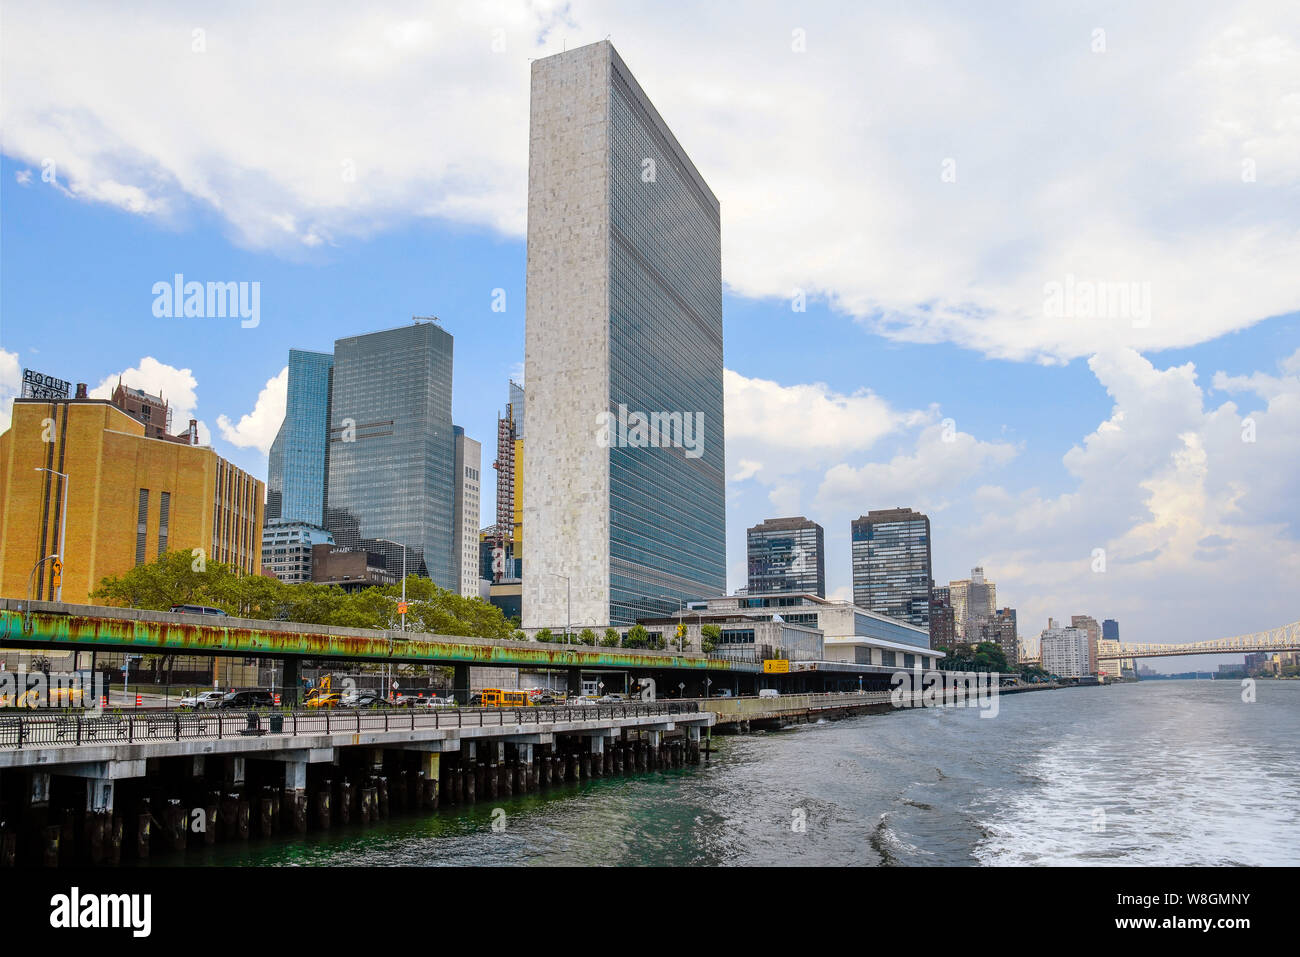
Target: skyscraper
[891, 564]
[469, 454]
[787, 555]
[506, 536]
[392, 451]
[297, 467]
[974, 601]
[624, 505]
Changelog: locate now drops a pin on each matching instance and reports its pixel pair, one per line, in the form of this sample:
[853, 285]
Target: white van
[769, 693]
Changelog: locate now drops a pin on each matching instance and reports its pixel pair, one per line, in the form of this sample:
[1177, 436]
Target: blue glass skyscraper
[297, 470]
[392, 449]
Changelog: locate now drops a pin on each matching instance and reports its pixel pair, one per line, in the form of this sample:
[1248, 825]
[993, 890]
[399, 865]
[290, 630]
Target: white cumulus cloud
[927, 169]
[258, 428]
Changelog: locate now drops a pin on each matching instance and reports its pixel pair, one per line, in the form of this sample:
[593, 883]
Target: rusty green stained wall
[120, 634]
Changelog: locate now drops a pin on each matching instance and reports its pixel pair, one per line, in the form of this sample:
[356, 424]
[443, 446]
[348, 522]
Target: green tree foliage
[611, 639]
[176, 578]
[637, 637]
[587, 636]
[986, 656]
[545, 635]
[710, 638]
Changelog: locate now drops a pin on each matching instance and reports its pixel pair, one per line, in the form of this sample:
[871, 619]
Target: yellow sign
[776, 666]
[58, 572]
[401, 607]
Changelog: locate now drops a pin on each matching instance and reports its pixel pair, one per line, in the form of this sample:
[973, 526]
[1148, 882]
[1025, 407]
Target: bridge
[1285, 638]
[93, 628]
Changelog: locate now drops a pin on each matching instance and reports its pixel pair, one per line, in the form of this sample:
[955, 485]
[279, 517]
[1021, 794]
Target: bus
[499, 698]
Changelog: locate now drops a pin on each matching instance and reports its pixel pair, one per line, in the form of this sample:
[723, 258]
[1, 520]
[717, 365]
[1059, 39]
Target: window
[141, 525]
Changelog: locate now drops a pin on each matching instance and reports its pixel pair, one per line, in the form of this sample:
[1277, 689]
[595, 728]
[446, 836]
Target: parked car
[198, 610]
[204, 699]
[247, 699]
[769, 693]
[722, 693]
[612, 698]
[362, 699]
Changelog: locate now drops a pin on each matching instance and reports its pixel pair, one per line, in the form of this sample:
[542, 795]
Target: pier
[76, 789]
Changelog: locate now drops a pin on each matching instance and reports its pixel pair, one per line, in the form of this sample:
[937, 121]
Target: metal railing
[58, 730]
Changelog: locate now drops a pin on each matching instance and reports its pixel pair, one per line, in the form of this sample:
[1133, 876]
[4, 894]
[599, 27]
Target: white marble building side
[566, 343]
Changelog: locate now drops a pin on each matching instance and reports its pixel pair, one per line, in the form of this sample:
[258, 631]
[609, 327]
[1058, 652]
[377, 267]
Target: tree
[710, 638]
[545, 635]
[178, 578]
[610, 640]
[587, 636]
[637, 637]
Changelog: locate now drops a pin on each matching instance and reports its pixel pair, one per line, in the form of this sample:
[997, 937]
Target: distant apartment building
[787, 555]
[469, 455]
[892, 571]
[1065, 652]
[1111, 667]
[392, 470]
[1093, 630]
[297, 473]
[1001, 630]
[974, 601]
[287, 549]
[130, 498]
[943, 631]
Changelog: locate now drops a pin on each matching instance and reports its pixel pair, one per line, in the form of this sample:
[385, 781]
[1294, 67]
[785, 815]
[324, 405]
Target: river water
[1156, 773]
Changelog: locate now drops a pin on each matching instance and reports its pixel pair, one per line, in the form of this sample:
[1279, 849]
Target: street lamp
[681, 642]
[568, 593]
[63, 525]
[402, 612]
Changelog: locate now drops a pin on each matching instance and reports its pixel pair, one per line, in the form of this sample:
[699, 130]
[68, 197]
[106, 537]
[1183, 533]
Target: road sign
[58, 573]
[402, 607]
[776, 666]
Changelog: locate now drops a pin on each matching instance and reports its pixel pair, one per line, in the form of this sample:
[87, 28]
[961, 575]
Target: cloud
[258, 428]
[177, 386]
[775, 430]
[886, 168]
[941, 461]
[1173, 500]
[11, 386]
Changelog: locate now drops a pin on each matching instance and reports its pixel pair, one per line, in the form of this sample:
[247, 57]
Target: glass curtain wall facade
[891, 564]
[297, 467]
[667, 508]
[787, 555]
[392, 450]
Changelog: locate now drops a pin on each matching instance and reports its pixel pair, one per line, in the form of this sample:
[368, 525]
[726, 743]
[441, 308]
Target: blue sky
[925, 294]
